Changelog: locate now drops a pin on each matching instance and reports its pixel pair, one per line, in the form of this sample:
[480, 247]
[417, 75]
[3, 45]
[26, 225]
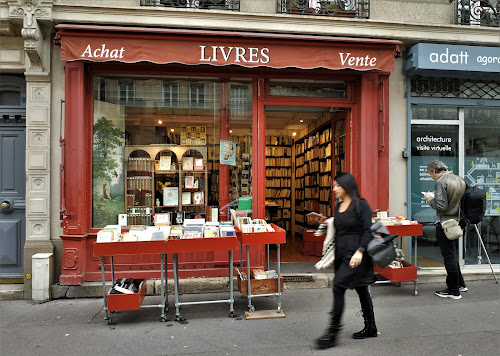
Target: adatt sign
[274, 53]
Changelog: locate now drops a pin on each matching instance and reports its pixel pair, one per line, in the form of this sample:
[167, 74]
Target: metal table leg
[251, 308]
[107, 319]
[166, 282]
[231, 287]
[279, 276]
[112, 270]
[162, 305]
[176, 285]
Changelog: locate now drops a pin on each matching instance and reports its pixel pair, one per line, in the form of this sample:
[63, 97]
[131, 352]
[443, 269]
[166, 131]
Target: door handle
[5, 206]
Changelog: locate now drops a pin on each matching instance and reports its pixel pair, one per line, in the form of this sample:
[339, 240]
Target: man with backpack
[448, 192]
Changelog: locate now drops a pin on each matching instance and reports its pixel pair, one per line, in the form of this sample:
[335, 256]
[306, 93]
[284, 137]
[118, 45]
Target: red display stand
[202, 245]
[119, 302]
[407, 273]
[313, 245]
[261, 238]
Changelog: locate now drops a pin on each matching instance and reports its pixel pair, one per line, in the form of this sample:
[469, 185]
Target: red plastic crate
[117, 302]
[406, 273]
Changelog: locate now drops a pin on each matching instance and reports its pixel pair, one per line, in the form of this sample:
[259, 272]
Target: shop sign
[454, 58]
[276, 54]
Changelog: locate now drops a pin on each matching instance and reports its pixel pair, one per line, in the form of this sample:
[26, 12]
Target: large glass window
[482, 169]
[174, 146]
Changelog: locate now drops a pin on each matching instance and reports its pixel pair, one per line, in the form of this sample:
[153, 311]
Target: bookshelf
[156, 181]
[313, 174]
[279, 180]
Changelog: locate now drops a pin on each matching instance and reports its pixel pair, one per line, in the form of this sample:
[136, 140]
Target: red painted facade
[367, 99]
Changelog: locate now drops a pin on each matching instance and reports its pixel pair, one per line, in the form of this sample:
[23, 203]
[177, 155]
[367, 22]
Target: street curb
[221, 284]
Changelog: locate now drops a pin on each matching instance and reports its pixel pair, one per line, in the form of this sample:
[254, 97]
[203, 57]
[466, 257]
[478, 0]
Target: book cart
[407, 273]
[257, 287]
[120, 302]
[202, 245]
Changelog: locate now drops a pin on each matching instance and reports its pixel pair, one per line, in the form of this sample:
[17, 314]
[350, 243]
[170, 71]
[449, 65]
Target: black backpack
[473, 205]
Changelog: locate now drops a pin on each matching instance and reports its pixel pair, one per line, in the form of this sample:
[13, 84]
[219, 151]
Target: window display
[156, 144]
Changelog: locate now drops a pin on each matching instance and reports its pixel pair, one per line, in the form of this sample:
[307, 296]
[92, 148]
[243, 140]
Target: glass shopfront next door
[467, 141]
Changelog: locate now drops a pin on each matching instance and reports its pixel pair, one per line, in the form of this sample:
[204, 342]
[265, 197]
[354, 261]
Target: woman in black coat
[353, 267]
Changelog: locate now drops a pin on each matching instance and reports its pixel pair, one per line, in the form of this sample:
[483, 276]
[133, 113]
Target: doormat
[264, 314]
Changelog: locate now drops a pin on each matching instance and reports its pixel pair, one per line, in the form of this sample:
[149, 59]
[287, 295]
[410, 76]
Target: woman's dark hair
[347, 181]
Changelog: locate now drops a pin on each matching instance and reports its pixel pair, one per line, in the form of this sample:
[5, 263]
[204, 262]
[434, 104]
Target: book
[199, 198]
[187, 163]
[170, 196]
[186, 198]
[189, 182]
[198, 164]
[165, 163]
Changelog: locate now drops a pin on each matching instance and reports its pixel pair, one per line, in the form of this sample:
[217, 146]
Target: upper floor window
[197, 94]
[230, 5]
[170, 94]
[478, 12]
[341, 8]
[126, 91]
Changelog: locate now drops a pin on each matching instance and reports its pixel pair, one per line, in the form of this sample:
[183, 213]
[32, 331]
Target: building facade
[226, 66]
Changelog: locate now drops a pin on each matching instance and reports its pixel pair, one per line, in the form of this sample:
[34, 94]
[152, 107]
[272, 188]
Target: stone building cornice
[276, 23]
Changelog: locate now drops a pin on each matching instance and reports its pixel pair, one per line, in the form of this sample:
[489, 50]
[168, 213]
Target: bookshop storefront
[177, 122]
[454, 116]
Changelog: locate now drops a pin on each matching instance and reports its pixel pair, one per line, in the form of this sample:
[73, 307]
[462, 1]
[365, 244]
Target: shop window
[433, 112]
[482, 169]
[307, 88]
[140, 150]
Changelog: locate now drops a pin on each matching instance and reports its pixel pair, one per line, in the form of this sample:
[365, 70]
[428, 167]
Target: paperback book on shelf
[165, 163]
[198, 164]
[187, 163]
[170, 196]
[186, 198]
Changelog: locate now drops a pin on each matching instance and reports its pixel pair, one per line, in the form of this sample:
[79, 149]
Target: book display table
[261, 287]
[118, 302]
[407, 273]
[202, 245]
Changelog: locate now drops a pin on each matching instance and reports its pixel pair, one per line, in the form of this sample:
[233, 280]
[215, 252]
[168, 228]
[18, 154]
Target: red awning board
[163, 48]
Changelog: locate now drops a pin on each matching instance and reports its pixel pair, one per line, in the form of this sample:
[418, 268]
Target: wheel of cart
[120, 302]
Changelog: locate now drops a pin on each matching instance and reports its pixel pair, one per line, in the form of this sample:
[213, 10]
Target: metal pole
[279, 275]
[104, 289]
[248, 278]
[486, 253]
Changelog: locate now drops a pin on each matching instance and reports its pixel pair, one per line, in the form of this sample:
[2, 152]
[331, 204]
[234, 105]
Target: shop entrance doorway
[305, 146]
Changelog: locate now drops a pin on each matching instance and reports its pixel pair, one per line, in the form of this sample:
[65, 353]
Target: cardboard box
[260, 286]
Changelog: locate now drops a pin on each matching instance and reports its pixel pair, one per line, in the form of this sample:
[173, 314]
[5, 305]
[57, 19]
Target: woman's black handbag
[381, 249]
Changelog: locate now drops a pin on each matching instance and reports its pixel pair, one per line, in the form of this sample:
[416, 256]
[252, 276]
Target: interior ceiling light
[230, 131]
[294, 134]
[160, 122]
[172, 130]
[301, 120]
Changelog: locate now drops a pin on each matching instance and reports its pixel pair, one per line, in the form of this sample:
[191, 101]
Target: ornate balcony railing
[478, 12]
[340, 8]
[229, 5]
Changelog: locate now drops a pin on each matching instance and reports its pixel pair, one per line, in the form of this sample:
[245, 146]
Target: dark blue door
[12, 201]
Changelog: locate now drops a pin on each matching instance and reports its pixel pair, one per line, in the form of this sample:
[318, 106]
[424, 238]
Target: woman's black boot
[370, 329]
[330, 337]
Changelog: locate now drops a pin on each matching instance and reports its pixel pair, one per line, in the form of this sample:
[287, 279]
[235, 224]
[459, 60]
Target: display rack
[202, 245]
[261, 238]
[407, 273]
[120, 302]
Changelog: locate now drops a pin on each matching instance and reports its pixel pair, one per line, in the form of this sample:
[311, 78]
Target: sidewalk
[408, 325]
[308, 278]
